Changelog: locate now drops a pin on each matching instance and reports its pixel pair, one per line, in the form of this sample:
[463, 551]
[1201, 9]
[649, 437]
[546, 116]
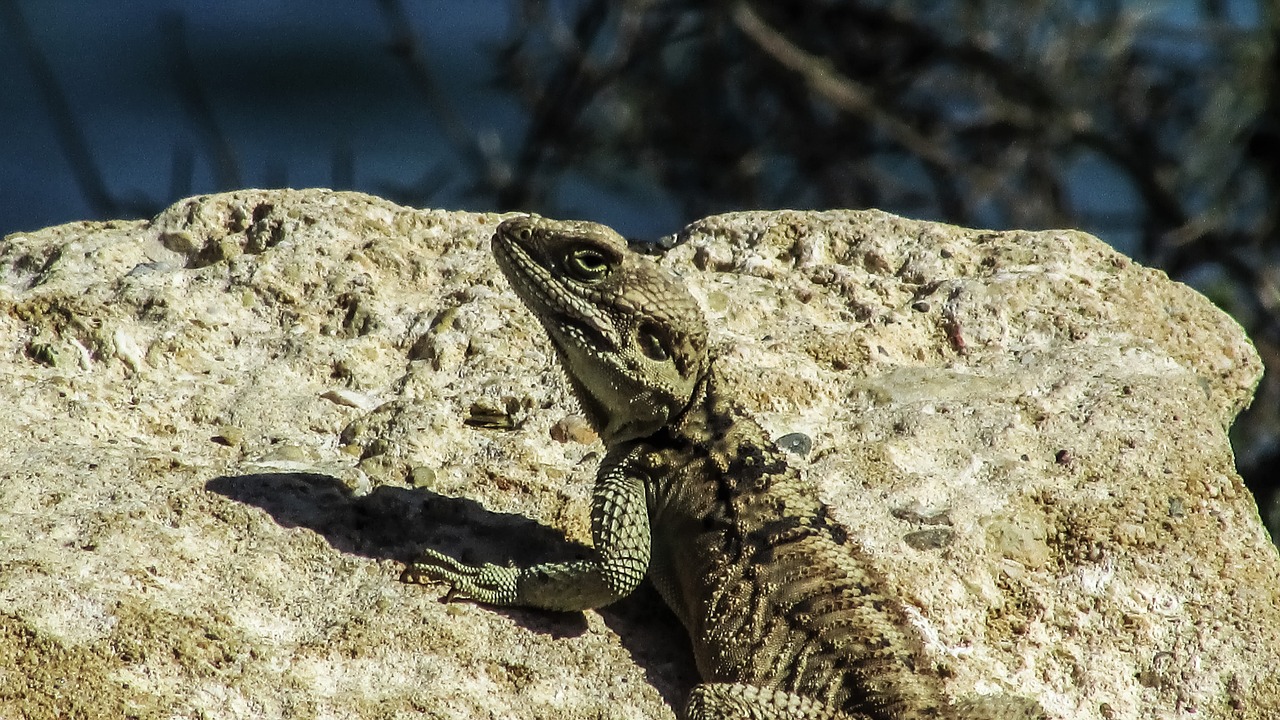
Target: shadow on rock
[656, 641]
[392, 523]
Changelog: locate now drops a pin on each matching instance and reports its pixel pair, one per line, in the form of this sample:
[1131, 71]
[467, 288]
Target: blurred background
[1154, 124]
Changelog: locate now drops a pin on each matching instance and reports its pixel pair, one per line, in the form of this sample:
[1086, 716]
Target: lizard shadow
[395, 523]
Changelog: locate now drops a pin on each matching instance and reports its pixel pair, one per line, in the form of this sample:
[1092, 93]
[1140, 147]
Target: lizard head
[630, 337]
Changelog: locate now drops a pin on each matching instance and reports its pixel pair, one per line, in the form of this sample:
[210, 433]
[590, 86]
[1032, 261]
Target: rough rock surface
[226, 429]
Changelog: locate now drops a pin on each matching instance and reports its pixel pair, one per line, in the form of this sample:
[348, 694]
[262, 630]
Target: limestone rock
[1029, 430]
[229, 426]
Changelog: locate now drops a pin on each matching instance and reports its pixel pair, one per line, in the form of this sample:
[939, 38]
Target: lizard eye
[587, 264]
[652, 344]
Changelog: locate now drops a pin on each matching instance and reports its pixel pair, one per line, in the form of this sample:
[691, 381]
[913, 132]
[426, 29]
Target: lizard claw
[488, 583]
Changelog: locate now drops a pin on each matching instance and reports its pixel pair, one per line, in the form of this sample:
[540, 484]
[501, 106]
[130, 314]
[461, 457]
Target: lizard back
[772, 590]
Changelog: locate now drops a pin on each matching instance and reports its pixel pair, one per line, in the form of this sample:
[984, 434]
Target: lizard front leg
[619, 532]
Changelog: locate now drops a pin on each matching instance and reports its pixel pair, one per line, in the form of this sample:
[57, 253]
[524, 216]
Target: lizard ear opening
[653, 343]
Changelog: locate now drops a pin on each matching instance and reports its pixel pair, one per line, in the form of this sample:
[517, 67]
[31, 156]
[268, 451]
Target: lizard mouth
[581, 333]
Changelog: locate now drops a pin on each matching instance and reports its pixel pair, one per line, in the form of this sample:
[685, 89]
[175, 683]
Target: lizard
[787, 618]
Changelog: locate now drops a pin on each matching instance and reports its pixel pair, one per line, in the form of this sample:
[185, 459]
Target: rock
[228, 428]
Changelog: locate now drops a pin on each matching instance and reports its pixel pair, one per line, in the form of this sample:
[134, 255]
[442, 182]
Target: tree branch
[842, 92]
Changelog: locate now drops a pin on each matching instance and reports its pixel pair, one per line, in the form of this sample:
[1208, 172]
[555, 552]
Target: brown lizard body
[787, 619]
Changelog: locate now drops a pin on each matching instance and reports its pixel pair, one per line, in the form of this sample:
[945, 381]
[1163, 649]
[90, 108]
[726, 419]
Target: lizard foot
[488, 583]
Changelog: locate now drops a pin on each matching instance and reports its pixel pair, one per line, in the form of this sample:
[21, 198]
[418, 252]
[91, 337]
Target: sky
[295, 85]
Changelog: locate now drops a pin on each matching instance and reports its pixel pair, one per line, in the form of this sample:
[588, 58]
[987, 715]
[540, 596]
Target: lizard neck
[701, 417]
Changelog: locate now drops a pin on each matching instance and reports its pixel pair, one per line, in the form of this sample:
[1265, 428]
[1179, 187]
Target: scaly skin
[788, 620]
